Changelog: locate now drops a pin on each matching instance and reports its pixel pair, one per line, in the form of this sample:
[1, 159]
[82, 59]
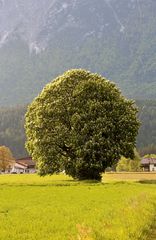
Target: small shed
[148, 164]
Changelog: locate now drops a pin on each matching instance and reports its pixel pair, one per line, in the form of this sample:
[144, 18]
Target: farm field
[146, 177]
[59, 208]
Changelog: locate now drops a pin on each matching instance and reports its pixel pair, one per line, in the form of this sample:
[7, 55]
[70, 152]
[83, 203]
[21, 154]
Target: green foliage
[146, 140]
[150, 156]
[123, 165]
[12, 129]
[80, 122]
[129, 165]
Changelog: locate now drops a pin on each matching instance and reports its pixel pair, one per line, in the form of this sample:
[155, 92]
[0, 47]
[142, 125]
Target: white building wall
[18, 168]
[152, 167]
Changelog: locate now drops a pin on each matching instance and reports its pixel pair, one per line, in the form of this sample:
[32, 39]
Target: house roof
[147, 161]
[27, 162]
[19, 166]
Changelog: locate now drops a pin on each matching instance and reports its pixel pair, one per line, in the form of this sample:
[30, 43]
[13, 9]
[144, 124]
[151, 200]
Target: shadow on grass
[73, 183]
[144, 181]
[59, 183]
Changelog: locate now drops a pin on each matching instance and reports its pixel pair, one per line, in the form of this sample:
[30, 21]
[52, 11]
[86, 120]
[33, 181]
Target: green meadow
[59, 208]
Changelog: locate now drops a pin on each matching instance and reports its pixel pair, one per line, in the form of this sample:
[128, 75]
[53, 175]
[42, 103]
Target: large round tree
[81, 123]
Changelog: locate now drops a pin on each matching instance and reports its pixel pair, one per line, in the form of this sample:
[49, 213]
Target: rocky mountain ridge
[40, 39]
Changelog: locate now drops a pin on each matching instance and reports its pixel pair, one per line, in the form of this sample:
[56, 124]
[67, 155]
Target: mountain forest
[41, 39]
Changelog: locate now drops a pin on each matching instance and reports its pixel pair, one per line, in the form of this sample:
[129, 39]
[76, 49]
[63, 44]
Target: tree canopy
[6, 158]
[129, 165]
[81, 123]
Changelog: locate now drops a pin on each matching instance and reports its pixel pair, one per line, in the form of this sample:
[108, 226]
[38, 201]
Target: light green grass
[58, 208]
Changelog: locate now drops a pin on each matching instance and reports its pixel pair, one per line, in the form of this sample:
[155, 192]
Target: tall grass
[58, 208]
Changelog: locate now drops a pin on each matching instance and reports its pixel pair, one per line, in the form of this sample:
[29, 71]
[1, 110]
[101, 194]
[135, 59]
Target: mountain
[41, 39]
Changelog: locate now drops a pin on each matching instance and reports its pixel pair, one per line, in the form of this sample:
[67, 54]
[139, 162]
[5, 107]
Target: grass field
[59, 208]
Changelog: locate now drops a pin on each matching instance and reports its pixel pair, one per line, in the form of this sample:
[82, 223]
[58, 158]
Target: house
[18, 168]
[24, 165]
[148, 164]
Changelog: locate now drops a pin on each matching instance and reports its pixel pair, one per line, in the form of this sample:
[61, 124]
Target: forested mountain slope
[41, 39]
[12, 132]
[146, 140]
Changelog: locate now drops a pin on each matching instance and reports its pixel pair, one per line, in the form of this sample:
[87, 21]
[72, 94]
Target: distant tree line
[146, 140]
[129, 165]
[12, 132]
